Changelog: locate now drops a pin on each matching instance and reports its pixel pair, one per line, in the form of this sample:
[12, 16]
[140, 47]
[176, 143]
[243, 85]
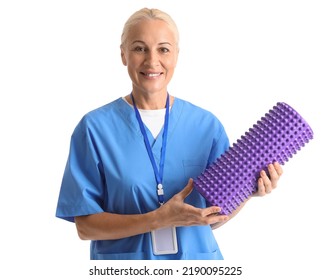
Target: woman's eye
[164, 50]
[139, 49]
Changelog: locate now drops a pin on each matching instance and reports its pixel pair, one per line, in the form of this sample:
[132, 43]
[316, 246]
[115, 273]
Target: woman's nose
[151, 58]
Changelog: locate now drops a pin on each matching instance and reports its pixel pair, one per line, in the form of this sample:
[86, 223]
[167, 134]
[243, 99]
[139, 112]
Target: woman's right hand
[176, 212]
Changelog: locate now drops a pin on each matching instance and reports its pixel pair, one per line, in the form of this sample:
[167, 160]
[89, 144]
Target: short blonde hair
[149, 14]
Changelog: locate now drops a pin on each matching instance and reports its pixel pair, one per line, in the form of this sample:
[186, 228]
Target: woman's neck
[147, 102]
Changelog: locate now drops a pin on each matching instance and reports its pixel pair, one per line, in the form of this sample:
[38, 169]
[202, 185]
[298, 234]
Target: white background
[60, 59]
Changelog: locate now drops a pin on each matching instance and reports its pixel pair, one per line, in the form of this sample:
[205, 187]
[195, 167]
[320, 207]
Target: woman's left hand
[268, 183]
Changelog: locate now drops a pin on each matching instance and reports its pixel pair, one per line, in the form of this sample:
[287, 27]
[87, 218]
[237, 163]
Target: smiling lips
[151, 75]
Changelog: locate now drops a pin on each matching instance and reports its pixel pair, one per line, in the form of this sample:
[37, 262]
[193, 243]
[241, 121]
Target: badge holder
[164, 241]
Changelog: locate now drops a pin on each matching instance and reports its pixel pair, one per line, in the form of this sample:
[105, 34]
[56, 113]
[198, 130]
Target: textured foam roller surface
[232, 178]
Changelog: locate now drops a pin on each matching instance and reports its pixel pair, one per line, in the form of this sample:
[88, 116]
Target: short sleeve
[82, 188]
[220, 145]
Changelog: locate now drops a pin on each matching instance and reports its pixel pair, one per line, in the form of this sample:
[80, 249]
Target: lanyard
[158, 173]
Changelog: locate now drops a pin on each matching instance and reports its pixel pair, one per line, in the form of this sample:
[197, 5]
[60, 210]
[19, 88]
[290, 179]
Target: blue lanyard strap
[158, 173]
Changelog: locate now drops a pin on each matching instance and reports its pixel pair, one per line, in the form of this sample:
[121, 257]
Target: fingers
[275, 172]
[187, 189]
[213, 216]
[267, 183]
[264, 184]
[208, 216]
[182, 214]
[261, 186]
[278, 168]
[217, 220]
[213, 210]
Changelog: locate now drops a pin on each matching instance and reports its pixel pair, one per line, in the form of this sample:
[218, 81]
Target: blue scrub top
[109, 170]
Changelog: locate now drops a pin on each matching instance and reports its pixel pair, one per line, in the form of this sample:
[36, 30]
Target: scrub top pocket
[193, 168]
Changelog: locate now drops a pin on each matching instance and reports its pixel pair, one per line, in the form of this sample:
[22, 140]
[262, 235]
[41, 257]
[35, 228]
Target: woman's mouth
[151, 75]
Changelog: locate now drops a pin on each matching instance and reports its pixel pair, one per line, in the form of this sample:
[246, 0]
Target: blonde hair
[148, 14]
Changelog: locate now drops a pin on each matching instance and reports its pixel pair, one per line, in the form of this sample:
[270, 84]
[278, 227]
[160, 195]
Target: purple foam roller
[232, 178]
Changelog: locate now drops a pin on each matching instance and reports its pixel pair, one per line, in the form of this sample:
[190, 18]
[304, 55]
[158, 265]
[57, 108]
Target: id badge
[164, 241]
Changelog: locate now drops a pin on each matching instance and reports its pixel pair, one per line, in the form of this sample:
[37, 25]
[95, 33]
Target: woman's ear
[123, 57]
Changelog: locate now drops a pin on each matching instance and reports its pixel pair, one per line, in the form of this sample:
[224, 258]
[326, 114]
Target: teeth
[152, 74]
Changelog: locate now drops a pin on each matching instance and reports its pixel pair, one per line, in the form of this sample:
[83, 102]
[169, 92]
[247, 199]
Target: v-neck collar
[127, 111]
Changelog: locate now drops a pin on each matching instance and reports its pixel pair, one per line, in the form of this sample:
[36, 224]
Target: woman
[129, 160]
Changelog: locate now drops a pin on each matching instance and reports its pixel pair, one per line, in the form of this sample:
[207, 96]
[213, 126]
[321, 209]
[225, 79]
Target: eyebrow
[142, 42]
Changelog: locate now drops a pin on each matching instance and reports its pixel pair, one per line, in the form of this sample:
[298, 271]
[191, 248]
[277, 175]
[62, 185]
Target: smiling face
[150, 54]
